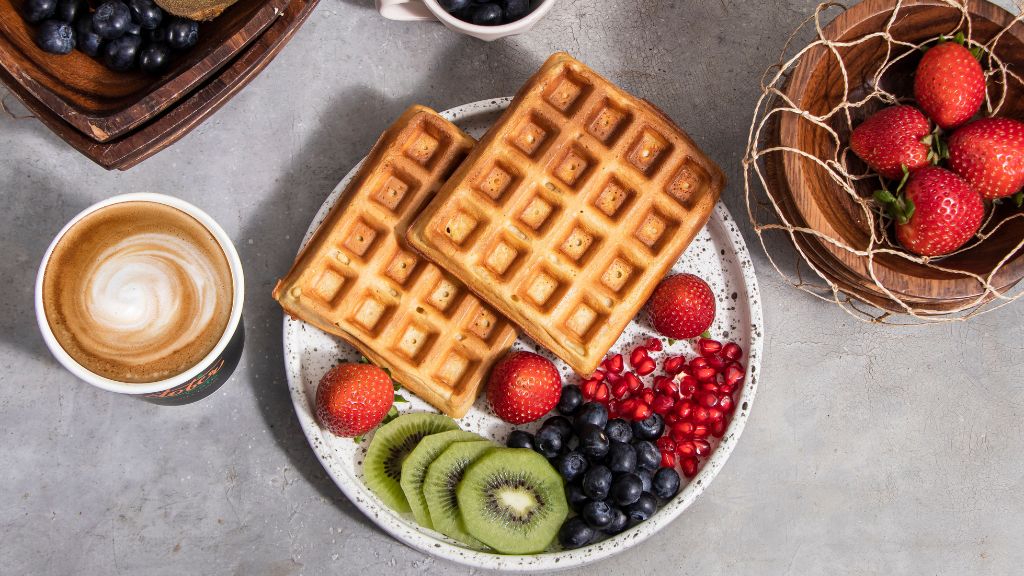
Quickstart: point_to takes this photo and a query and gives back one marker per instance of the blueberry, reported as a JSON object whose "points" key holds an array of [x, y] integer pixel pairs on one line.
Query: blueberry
{"points": [[520, 439], [666, 483], [626, 489], [485, 15], [593, 442], [597, 514], [182, 33], [146, 13], [120, 54], [86, 39], [134, 29], [643, 508], [55, 37], [575, 497], [575, 533], [38, 10], [515, 9], [619, 430], [158, 34], [562, 424], [646, 479], [548, 441], [453, 5], [597, 482], [621, 457], [571, 465], [618, 523], [592, 413], [570, 401], [111, 19], [69, 10], [154, 58], [649, 428], [648, 457]]}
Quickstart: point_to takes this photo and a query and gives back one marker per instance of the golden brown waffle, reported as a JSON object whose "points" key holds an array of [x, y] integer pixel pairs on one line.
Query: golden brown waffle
{"points": [[571, 210], [359, 280]]}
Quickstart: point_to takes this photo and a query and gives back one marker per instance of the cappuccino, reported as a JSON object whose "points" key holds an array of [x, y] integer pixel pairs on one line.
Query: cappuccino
{"points": [[138, 292]]}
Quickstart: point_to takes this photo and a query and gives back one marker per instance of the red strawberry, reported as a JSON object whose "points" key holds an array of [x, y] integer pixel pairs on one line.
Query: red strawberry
{"points": [[523, 387], [936, 214], [682, 306], [989, 154], [892, 138], [949, 84], [352, 399]]}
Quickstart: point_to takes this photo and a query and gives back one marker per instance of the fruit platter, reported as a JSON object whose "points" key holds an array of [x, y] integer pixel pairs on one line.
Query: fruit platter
{"points": [[546, 469]]}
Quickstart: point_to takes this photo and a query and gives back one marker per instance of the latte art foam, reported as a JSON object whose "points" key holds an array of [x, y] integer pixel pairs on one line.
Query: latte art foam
{"points": [[140, 292]]}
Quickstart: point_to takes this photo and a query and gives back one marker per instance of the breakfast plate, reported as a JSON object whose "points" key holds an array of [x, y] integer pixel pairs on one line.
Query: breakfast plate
{"points": [[718, 254]]}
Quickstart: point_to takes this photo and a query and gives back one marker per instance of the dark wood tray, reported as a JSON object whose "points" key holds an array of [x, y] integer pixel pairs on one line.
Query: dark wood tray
{"points": [[103, 104], [127, 151]]}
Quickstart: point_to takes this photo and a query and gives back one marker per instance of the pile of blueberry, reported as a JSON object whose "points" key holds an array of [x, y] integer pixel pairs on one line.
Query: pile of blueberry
{"points": [[124, 36], [612, 468], [487, 12]]}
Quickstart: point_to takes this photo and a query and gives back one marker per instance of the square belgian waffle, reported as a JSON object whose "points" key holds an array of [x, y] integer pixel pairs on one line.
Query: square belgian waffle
{"points": [[358, 279], [571, 210]]}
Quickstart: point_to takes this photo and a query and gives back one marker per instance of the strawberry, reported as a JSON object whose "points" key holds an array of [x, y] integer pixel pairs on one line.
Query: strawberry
{"points": [[949, 84], [352, 399], [523, 387], [682, 306], [989, 155], [936, 213], [892, 138]]}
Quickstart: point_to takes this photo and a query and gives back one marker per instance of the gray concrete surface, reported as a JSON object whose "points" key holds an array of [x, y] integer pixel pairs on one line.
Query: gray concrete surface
{"points": [[870, 450]]}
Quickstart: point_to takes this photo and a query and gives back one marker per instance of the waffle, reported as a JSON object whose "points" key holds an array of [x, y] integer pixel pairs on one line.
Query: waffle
{"points": [[358, 279], [571, 210]]}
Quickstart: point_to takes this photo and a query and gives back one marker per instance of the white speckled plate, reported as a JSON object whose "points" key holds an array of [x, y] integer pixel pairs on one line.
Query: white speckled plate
{"points": [[718, 255]]}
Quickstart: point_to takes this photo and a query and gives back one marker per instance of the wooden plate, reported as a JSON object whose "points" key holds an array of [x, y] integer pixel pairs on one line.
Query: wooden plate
{"points": [[103, 104], [816, 85], [127, 151]]}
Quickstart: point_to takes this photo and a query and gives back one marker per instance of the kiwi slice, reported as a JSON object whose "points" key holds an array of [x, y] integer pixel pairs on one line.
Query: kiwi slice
{"points": [[414, 470], [512, 500], [391, 445], [439, 487]]}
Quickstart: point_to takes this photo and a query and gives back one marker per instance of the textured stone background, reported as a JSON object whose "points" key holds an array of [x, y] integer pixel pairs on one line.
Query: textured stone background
{"points": [[870, 450]]}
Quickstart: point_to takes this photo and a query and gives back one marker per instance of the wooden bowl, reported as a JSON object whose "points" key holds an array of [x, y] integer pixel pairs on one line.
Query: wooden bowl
{"points": [[103, 104], [165, 129], [816, 201]]}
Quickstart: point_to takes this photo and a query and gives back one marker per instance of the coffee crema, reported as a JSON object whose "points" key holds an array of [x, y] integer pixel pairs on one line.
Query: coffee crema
{"points": [[138, 292]]}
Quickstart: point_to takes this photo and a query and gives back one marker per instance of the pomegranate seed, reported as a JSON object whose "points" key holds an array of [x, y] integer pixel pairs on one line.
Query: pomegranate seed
{"points": [[647, 395], [639, 353], [725, 389], [716, 413], [597, 375], [641, 412], [732, 351], [684, 409], [589, 388], [626, 407], [613, 408], [601, 395], [718, 429], [701, 415], [698, 363], [653, 344], [683, 429], [705, 374], [702, 447], [734, 374], [673, 364], [620, 390], [668, 459], [686, 449], [645, 367], [613, 378], [725, 404], [671, 418], [632, 381], [700, 431], [662, 404], [665, 444], [665, 385], [613, 364], [717, 362], [709, 400], [687, 387], [689, 466], [708, 347]]}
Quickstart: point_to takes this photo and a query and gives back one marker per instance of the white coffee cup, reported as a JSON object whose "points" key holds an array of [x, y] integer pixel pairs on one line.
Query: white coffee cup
{"points": [[198, 381], [430, 10]]}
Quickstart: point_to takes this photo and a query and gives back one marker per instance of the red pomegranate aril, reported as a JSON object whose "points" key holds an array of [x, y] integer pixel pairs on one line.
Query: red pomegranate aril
{"points": [[717, 362], [689, 466], [620, 390], [705, 374], [684, 409], [637, 355], [641, 412], [701, 415], [665, 444], [653, 344], [732, 351], [597, 375], [702, 447], [662, 404], [725, 389], [687, 387], [708, 347], [725, 404], [645, 367], [602, 394], [671, 418], [627, 406], [734, 374], [589, 388], [686, 448], [647, 396], [709, 400], [683, 428], [718, 429], [700, 431], [665, 385], [613, 364], [716, 414], [632, 381], [698, 363], [668, 460], [613, 378], [673, 364]]}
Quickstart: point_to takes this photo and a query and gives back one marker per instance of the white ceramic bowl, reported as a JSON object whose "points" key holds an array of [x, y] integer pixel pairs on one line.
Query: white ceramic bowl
{"points": [[430, 10]]}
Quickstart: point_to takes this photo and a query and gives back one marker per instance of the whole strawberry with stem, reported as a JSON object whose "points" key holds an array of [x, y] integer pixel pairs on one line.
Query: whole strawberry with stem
{"points": [[989, 155], [523, 387], [682, 306], [352, 399], [949, 84], [936, 212], [892, 138]]}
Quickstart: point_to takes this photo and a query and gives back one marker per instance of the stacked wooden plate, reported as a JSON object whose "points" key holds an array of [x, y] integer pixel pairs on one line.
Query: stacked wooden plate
{"points": [[120, 119], [809, 197]]}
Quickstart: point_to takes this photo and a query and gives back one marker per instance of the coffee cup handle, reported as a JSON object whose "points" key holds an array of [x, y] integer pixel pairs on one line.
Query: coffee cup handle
{"points": [[407, 10]]}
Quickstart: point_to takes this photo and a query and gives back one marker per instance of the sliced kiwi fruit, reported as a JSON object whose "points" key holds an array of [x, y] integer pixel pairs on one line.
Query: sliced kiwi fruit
{"points": [[391, 445], [439, 487], [512, 500], [414, 470]]}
